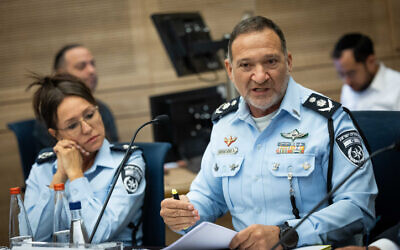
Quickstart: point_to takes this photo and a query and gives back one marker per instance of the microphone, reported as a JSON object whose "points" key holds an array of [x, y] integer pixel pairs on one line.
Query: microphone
{"points": [[157, 120], [395, 146]]}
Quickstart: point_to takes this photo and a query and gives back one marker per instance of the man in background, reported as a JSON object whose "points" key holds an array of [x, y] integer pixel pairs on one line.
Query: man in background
{"points": [[368, 84], [76, 60]]}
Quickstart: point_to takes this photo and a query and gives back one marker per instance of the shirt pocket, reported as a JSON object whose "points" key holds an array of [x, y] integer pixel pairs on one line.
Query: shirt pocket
{"points": [[300, 168], [298, 165], [227, 168]]}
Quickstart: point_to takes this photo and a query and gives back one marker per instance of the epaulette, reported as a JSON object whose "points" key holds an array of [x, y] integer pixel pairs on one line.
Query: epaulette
{"points": [[122, 147], [322, 105], [225, 109], [46, 155]]}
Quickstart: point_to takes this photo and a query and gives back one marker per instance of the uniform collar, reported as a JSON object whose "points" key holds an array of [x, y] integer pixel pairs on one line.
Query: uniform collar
{"points": [[291, 102], [104, 157]]}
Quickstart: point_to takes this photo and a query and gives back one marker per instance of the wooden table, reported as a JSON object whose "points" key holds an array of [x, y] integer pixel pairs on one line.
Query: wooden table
{"points": [[178, 178]]}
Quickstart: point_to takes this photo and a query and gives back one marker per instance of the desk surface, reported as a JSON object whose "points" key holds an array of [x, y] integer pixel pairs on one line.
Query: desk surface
{"points": [[178, 178]]}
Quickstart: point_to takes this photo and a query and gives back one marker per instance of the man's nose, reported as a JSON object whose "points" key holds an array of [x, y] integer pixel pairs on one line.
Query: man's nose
{"points": [[260, 74], [91, 68]]}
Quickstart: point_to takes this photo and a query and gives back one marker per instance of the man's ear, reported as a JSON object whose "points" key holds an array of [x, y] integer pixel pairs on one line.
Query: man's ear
{"points": [[371, 63], [228, 67], [289, 61]]}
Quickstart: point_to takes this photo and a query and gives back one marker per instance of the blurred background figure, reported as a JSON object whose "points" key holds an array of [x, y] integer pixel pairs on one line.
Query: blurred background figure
{"points": [[76, 60], [368, 84]]}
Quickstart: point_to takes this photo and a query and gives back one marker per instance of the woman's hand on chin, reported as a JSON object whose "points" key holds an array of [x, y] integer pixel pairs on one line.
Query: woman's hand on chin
{"points": [[69, 157]]}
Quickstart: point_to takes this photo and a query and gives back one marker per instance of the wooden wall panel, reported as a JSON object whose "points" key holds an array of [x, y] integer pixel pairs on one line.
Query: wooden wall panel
{"points": [[132, 62]]}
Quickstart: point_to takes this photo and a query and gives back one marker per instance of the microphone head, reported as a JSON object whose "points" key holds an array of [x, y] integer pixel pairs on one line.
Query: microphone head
{"points": [[161, 119]]}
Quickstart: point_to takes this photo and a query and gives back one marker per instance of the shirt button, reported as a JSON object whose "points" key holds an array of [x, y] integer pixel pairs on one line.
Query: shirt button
{"points": [[258, 210], [259, 146], [255, 178]]}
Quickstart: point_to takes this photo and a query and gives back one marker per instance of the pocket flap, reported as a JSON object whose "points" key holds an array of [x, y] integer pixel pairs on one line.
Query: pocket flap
{"points": [[298, 165], [227, 165]]}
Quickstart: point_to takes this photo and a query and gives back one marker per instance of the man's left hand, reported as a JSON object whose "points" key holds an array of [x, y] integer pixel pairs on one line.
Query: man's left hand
{"points": [[256, 237]]}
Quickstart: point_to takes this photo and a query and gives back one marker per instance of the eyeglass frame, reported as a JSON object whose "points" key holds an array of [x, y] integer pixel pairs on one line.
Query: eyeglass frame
{"points": [[80, 120]]}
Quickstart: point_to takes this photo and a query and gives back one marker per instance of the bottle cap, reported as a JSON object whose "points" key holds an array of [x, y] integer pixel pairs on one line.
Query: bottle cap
{"points": [[75, 205], [15, 190], [59, 186]]}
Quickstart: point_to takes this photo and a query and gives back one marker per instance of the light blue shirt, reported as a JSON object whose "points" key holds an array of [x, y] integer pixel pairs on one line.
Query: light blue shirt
{"points": [[91, 190], [249, 177]]}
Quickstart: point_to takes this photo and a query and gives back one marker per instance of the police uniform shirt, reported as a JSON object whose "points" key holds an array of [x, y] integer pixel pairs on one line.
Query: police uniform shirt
{"points": [[124, 205], [247, 171]]}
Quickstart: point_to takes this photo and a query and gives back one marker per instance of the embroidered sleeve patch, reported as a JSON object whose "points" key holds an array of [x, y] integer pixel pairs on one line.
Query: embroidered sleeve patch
{"points": [[350, 145], [131, 177]]}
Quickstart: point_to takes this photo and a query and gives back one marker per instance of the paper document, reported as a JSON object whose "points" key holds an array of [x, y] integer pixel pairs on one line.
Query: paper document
{"points": [[316, 247], [205, 236]]}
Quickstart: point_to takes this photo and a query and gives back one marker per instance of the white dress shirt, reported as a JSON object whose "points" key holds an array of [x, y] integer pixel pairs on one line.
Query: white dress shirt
{"points": [[382, 94]]}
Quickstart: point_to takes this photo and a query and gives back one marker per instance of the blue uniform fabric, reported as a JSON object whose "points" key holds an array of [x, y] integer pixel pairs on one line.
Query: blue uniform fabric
{"points": [[91, 190], [250, 178]]}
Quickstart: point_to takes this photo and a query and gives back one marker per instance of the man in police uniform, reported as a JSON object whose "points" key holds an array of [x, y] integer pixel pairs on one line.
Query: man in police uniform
{"points": [[268, 159]]}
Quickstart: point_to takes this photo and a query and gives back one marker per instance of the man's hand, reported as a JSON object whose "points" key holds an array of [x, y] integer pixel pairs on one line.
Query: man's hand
{"points": [[256, 237], [179, 214]]}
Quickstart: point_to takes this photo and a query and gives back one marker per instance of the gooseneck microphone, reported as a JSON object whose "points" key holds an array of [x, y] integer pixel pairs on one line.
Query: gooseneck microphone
{"points": [[157, 120], [395, 146]]}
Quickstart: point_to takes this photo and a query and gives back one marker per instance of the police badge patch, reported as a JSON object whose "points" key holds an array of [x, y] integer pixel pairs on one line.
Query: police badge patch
{"points": [[131, 177], [350, 144]]}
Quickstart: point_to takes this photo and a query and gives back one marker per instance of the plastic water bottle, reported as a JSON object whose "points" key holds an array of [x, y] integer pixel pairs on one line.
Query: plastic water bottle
{"points": [[78, 233], [19, 227], [61, 222]]}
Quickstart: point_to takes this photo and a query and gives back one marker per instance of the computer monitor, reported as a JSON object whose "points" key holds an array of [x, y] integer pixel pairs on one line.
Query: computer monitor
{"points": [[190, 123], [188, 42]]}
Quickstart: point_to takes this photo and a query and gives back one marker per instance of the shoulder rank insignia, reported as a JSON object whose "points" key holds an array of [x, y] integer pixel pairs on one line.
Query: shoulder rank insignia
{"points": [[46, 155], [131, 176], [322, 105], [122, 147], [225, 109]]}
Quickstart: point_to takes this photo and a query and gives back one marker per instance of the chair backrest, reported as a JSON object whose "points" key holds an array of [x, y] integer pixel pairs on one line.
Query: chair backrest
{"points": [[23, 130], [153, 225], [382, 128]]}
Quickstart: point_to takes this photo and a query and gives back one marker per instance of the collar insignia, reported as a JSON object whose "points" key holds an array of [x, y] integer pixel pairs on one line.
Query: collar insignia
{"points": [[230, 140], [295, 134]]}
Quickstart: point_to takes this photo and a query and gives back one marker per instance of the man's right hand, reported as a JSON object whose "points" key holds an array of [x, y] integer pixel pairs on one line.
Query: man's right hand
{"points": [[179, 214]]}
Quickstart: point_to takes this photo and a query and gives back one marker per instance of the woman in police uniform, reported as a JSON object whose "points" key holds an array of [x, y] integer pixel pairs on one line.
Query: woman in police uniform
{"points": [[84, 161]]}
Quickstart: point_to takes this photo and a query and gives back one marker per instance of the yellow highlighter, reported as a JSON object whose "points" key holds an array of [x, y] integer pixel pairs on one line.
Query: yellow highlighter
{"points": [[176, 197], [175, 194]]}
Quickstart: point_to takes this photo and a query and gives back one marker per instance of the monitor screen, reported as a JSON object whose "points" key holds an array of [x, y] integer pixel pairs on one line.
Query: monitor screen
{"points": [[188, 42], [190, 123]]}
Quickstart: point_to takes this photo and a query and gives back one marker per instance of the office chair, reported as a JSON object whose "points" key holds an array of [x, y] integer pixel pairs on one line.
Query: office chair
{"points": [[153, 225], [382, 128], [27, 150]]}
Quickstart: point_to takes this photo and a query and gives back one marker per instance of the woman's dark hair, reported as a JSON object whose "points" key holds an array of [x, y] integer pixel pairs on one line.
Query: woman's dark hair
{"points": [[52, 91]]}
